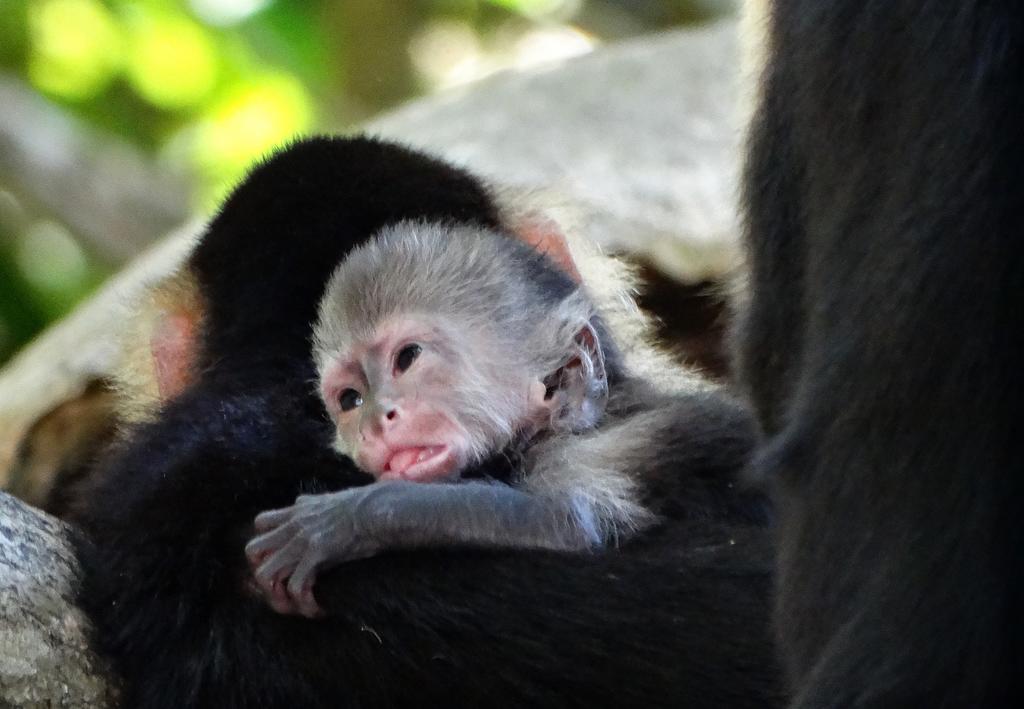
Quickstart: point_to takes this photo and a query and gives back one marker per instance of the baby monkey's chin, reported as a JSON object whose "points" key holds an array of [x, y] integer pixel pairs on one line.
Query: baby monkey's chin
{"points": [[421, 464]]}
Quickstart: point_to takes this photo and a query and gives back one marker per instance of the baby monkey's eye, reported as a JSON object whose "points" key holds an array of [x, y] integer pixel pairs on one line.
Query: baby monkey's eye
{"points": [[406, 356], [350, 399]]}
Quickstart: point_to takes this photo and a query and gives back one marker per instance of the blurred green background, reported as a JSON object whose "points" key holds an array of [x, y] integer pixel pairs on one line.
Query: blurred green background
{"points": [[120, 119]]}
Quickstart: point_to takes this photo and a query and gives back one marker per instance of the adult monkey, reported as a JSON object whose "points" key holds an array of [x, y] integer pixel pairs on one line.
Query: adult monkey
{"points": [[677, 616], [882, 346]]}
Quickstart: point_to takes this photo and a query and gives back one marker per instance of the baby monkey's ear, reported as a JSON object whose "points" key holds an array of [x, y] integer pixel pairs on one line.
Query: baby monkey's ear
{"points": [[545, 236], [575, 394]]}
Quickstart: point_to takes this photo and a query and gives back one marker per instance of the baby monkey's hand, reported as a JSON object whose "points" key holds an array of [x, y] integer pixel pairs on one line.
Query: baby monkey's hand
{"points": [[318, 531]]}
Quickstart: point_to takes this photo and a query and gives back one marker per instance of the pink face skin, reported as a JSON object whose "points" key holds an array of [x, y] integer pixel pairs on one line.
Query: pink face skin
{"points": [[387, 397]]}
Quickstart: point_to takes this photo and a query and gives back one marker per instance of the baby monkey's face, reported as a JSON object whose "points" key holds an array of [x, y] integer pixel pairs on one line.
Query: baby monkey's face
{"points": [[421, 400]]}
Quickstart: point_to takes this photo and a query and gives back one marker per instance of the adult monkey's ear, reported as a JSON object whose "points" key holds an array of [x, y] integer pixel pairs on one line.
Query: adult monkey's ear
{"points": [[174, 338], [172, 347], [546, 237], [160, 346]]}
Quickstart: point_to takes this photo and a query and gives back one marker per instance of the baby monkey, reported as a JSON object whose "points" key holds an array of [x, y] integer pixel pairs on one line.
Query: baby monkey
{"points": [[443, 351]]}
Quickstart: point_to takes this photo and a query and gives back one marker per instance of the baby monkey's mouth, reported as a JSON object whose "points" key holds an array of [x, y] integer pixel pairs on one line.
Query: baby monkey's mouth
{"points": [[419, 463]]}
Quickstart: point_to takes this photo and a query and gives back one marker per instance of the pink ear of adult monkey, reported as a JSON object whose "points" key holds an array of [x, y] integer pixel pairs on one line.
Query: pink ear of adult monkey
{"points": [[545, 237]]}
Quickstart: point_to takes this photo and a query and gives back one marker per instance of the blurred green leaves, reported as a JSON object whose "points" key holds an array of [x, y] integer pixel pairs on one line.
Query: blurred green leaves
{"points": [[172, 61], [75, 47], [186, 77], [205, 86]]}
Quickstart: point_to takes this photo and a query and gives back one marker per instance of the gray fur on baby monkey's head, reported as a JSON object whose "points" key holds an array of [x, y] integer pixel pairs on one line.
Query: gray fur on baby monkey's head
{"points": [[474, 282]]}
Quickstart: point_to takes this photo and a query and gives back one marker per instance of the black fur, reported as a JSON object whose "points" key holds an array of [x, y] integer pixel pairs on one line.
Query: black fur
{"points": [[295, 215], [883, 346], [680, 616]]}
